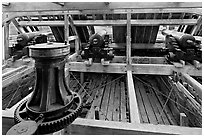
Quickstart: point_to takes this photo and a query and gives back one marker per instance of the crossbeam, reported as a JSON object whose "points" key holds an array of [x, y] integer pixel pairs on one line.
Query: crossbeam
{"points": [[48, 6], [146, 22], [151, 69]]}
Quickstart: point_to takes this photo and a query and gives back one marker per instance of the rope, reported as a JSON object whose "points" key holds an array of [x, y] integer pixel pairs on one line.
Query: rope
{"points": [[165, 95], [14, 94], [96, 88]]}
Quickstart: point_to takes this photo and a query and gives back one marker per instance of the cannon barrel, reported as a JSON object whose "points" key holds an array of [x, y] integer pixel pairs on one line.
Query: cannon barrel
{"points": [[184, 40]]}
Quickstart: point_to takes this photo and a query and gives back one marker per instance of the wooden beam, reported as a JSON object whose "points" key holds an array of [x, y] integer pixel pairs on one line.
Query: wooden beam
{"points": [[66, 29], [48, 6], [17, 76], [15, 70], [134, 110], [145, 22], [148, 60], [98, 127], [151, 69], [195, 84], [6, 41], [128, 38]]}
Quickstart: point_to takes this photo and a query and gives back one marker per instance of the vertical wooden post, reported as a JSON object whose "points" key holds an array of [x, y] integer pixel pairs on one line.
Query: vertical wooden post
{"points": [[97, 113], [66, 29], [6, 40], [128, 38], [183, 119]]}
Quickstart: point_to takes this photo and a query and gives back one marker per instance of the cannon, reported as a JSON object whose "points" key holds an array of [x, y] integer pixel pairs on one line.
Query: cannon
{"points": [[182, 46], [98, 48], [23, 41]]}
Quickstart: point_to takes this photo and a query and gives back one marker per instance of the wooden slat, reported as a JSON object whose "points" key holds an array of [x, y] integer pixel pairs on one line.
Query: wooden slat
{"points": [[148, 107], [98, 127], [6, 41], [166, 112], [145, 22], [195, 84], [142, 110], [128, 39], [111, 102], [48, 6], [123, 103], [105, 100], [15, 70], [134, 110], [116, 110]]}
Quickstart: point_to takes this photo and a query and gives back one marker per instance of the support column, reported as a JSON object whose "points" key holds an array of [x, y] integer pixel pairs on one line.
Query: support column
{"points": [[66, 29], [6, 40], [128, 38]]}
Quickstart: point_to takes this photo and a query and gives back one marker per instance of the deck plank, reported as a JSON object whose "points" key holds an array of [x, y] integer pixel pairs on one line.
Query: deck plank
{"points": [[105, 100], [96, 97], [151, 116], [166, 112], [123, 116], [142, 110], [111, 102], [116, 111]]}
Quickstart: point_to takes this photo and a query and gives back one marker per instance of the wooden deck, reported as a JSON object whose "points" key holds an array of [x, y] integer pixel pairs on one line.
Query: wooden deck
{"points": [[105, 98]]}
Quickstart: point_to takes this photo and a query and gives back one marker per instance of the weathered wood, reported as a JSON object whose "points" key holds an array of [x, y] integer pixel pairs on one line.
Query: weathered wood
{"points": [[15, 70], [123, 103], [111, 102], [134, 110], [48, 6], [148, 60], [151, 69], [17, 76], [116, 110], [66, 29], [148, 107], [195, 84], [183, 119], [6, 41], [99, 127], [142, 110], [105, 100], [128, 39], [145, 22]]}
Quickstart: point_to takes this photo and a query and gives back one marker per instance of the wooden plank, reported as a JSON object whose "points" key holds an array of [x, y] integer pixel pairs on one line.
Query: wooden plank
{"points": [[15, 70], [151, 69], [123, 99], [148, 107], [154, 105], [66, 29], [134, 111], [17, 76], [142, 109], [195, 84], [48, 6], [105, 100], [6, 41], [158, 104], [116, 110], [87, 126], [111, 102], [96, 96], [128, 38], [145, 22], [166, 112], [147, 60]]}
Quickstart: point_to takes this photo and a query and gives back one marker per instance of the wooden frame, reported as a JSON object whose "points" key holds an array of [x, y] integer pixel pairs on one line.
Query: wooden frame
{"points": [[151, 69], [81, 126]]}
